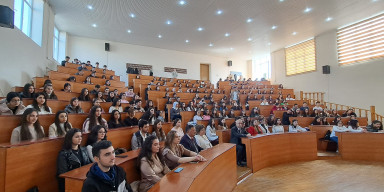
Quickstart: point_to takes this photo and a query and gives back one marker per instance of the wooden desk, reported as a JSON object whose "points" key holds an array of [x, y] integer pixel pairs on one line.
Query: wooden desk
{"points": [[320, 133], [224, 135], [361, 146], [273, 149], [218, 173]]}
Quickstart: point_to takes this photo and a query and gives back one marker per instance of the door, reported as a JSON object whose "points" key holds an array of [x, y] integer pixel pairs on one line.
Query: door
{"points": [[204, 72]]}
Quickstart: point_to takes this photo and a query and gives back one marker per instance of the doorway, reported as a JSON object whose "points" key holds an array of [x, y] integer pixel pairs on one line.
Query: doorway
{"points": [[204, 72]]}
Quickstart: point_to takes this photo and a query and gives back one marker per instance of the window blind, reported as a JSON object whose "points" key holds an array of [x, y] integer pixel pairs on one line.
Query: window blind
{"points": [[300, 58]]}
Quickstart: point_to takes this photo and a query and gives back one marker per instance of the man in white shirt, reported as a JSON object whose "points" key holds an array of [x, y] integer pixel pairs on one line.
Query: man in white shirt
{"points": [[318, 107]]}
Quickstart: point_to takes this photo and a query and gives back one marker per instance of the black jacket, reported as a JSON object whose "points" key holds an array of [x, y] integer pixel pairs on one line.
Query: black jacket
{"points": [[131, 122], [285, 119], [236, 135], [95, 182], [68, 161], [190, 144]]}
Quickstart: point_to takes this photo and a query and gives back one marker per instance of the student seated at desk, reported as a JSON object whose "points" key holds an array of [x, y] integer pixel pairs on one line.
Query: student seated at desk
{"points": [[295, 127], [94, 118], [67, 88], [97, 134], [100, 97], [263, 125], [116, 105], [72, 156], [211, 132], [338, 128], [61, 125], [376, 126], [157, 130], [28, 91], [84, 95], [222, 125], [197, 117], [177, 127], [40, 104], [237, 132], [48, 90], [131, 120], [254, 128], [96, 102], [29, 128], [12, 105], [353, 126], [201, 139], [74, 107], [278, 126], [104, 175], [151, 163], [115, 120], [175, 153], [139, 137], [150, 116]]}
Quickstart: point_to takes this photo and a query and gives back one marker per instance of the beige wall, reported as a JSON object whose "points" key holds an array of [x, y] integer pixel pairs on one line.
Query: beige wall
{"points": [[359, 85]]}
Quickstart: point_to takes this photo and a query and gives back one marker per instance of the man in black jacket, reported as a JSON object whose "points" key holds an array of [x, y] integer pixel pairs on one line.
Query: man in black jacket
{"points": [[189, 141], [237, 132], [286, 115], [104, 175]]}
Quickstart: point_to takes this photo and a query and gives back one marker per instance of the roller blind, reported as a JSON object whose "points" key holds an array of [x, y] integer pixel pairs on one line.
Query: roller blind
{"points": [[300, 58], [362, 41]]}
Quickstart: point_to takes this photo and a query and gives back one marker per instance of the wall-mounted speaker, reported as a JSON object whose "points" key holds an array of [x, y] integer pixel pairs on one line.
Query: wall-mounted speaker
{"points": [[106, 46], [326, 69], [6, 17], [229, 63]]}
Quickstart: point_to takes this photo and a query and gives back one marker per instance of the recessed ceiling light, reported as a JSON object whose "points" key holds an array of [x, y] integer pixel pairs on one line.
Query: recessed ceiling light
{"points": [[219, 12], [249, 20], [273, 27], [129, 31], [249, 39], [231, 48], [94, 25], [90, 7], [187, 41], [294, 33], [211, 45], [168, 22], [328, 19], [182, 2], [132, 15], [200, 28], [307, 10], [159, 36], [269, 44], [227, 34], [281, 0]]}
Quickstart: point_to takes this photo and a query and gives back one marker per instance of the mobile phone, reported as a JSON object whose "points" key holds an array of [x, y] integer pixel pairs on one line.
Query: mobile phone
{"points": [[178, 170], [121, 156]]}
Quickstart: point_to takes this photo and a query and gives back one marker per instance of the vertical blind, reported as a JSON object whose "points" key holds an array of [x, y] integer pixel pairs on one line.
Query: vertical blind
{"points": [[362, 41], [300, 58]]}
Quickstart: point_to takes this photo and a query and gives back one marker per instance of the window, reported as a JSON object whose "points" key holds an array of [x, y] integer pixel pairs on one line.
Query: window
{"points": [[362, 41], [300, 58], [261, 68], [23, 16], [56, 44]]}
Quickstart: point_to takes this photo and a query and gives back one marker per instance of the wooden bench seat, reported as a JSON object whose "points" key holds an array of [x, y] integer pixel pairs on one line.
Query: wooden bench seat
{"points": [[54, 75], [73, 71], [98, 70], [306, 121]]}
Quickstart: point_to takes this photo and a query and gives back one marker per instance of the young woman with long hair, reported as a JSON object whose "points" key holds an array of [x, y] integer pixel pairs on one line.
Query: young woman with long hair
{"points": [[177, 127], [151, 163], [115, 120], [29, 128], [278, 126], [131, 120], [111, 96], [221, 124], [60, 126], [150, 116], [211, 132], [72, 156], [48, 90], [175, 153], [94, 118], [116, 105], [40, 104], [28, 91], [97, 134], [67, 88], [157, 130], [84, 95], [201, 137], [73, 106], [100, 96]]}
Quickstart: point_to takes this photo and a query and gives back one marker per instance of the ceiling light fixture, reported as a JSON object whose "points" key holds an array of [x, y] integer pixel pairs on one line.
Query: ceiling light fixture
{"points": [[200, 28], [160, 36], [249, 39], [231, 48], [307, 10], [132, 15], [211, 45], [328, 19], [187, 41], [129, 31], [227, 34], [168, 22], [94, 25], [273, 27], [294, 33], [219, 12], [182, 2], [90, 7], [281, 0], [249, 20], [269, 43]]}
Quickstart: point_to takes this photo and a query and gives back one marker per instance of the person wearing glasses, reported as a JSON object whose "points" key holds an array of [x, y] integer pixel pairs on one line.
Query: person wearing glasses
{"points": [[12, 105]]}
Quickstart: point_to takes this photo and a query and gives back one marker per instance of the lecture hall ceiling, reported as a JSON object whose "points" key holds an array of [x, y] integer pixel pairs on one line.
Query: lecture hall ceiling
{"points": [[233, 28]]}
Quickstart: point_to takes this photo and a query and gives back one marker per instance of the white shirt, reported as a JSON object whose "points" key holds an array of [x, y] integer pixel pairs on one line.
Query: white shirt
{"points": [[295, 130], [16, 137], [211, 133], [263, 130], [42, 110], [277, 129], [338, 129], [120, 109], [318, 108], [203, 141]]}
